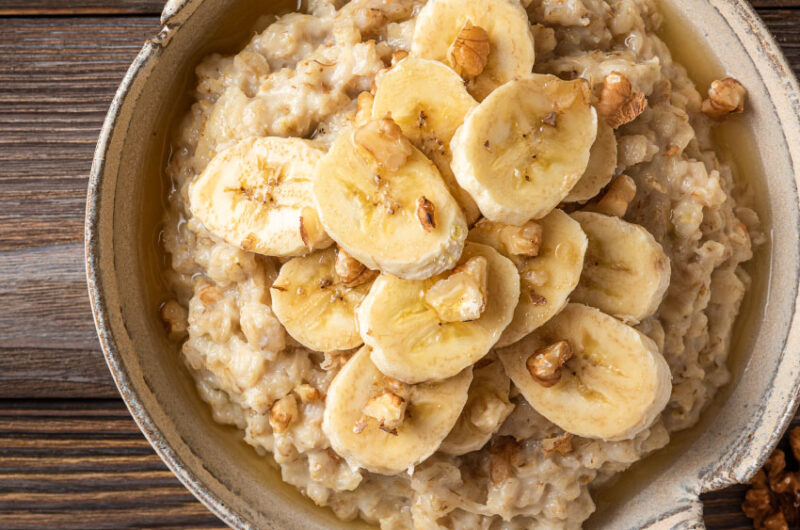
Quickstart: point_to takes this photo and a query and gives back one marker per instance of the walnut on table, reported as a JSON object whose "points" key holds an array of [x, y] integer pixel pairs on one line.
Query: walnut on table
{"points": [[773, 500]]}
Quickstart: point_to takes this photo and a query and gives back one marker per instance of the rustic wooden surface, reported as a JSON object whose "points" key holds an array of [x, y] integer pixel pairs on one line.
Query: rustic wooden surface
{"points": [[70, 456]]}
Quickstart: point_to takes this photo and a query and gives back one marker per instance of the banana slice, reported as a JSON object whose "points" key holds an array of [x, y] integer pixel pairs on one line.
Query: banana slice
{"points": [[385, 203], [315, 305], [626, 272], [601, 167], [386, 426], [413, 340], [256, 195], [428, 101], [614, 384], [521, 151], [487, 408], [547, 277], [504, 25]]}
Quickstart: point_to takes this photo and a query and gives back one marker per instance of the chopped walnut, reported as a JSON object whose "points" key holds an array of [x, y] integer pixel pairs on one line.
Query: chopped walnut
{"points": [[209, 295], [774, 495], [398, 55], [560, 444], [333, 360], [389, 409], [725, 96], [525, 240], [618, 103], [426, 213], [384, 140], [283, 413], [545, 363], [461, 297], [175, 319], [616, 199], [359, 426], [307, 393], [363, 108], [503, 452], [351, 271], [469, 53]]}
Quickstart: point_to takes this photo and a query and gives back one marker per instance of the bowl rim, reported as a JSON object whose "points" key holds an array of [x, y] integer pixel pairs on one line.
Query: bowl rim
{"points": [[178, 11]]}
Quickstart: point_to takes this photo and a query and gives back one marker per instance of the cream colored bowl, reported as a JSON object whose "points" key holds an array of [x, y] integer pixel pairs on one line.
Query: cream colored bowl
{"points": [[245, 490]]}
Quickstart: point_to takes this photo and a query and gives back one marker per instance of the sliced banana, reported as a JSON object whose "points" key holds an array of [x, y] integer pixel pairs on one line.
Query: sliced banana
{"points": [[547, 278], [410, 340], [601, 166], [505, 23], [521, 151], [428, 101], [385, 203], [361, 402], [487, 408], [626, 272], [256, 195], [614, 385], [314, 305]]}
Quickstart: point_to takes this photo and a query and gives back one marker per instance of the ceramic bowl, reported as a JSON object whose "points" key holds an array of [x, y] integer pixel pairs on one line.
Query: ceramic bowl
{"points": [[733, 437]]}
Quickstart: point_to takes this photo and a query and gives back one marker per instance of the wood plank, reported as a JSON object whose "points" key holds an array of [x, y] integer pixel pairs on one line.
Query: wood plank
{"points": [[57, 77], [84, 464], [80, 7]]}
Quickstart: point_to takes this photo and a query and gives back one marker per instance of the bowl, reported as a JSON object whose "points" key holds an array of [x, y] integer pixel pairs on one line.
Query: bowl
{"points": [[125, 198]]}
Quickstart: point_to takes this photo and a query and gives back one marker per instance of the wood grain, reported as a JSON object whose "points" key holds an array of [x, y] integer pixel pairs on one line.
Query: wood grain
{"points": [[57, 77], [84, 464]]}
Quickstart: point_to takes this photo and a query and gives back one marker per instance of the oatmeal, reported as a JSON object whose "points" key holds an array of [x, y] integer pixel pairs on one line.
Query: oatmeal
{"points": [[455, 264]]}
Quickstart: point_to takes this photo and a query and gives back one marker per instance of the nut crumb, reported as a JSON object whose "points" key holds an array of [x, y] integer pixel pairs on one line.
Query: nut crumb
{"points": [[385, 141], [175, 319], [545, 363], [461, 297], [307, 393], [503, 452], [618, 103], [389, 409], [363, 108], [525, 240], [617, 198], [398, 55], [560, 444], [469, 53], [725, 96], [426, 213], [351, 271], [283, 413]]}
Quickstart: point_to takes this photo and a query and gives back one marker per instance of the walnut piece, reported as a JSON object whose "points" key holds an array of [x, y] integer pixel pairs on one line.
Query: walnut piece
{"points": [[426, 213], [175, 319], [616, 199], [363, 108], [307, 393], [525, 240], [461, 297], [283, 413], [503, 452], [469, 53], [774, 494], [560, 444], [351, 271], [725, 96], [389, 409], [398, 55], [545, 363], [384, 140], [618, 103]]}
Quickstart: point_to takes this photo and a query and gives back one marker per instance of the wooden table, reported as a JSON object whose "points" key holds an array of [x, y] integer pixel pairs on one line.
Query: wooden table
{"points": [[70, 456]]}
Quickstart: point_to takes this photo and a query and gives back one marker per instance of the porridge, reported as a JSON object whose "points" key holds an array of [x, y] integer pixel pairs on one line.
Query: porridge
{"points": [[455, 264]]}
